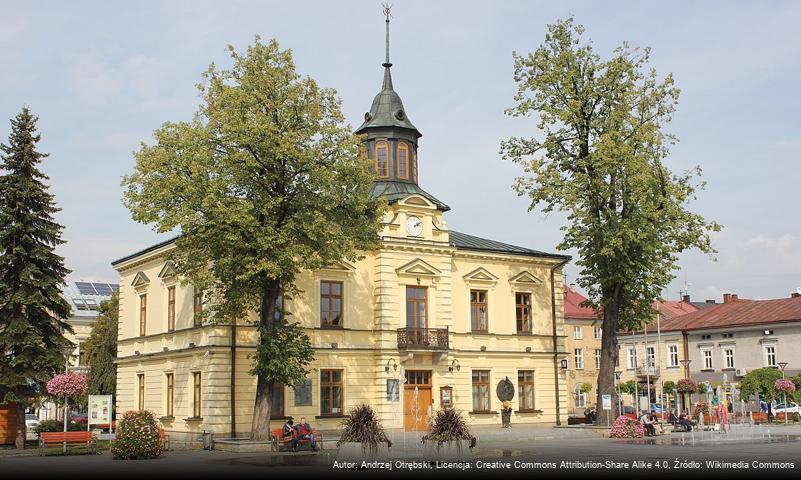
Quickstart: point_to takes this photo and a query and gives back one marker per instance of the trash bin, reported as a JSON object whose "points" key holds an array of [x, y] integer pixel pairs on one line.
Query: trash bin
{"points": [[208, 441]]}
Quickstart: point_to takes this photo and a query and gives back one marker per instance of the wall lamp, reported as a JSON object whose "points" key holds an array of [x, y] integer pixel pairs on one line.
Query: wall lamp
{"points": [[391, 362], [564, 364], [454, 364]]}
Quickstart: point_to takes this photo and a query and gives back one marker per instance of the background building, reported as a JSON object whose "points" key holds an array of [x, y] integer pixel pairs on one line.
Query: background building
{"points": [[583, 342]]}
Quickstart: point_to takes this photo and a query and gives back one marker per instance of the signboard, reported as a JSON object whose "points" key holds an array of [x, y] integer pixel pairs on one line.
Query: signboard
{"points": [[100, 410], [606, 401]]}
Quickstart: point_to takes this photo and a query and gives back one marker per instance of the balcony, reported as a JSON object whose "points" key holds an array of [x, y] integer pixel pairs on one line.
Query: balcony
{"points": [[650, 370], [423, 339]]}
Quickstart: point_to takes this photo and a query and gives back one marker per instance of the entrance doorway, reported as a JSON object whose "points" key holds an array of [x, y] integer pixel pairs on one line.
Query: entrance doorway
{"points": [[417, 400]]}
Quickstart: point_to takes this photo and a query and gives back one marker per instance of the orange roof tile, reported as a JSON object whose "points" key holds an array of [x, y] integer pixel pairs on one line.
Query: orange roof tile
{"points": [[573, 308], [740, 312]]}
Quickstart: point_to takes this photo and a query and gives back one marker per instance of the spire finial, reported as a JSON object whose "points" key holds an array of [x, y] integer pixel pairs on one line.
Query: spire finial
{"points": [[388, 15]]}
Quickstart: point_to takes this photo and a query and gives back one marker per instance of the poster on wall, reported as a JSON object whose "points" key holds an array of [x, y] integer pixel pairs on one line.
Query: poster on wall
{"points": [[100, 407]]}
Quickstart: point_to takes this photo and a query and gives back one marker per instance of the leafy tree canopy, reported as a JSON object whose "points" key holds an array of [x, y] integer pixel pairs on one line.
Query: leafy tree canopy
{"points": [[759, 382], [101, 349]]}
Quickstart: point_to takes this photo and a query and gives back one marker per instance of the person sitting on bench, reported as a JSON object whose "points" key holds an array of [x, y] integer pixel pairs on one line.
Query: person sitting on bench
{"points": [[288, 430], [648, 424], [685, 422], [304, 432]]}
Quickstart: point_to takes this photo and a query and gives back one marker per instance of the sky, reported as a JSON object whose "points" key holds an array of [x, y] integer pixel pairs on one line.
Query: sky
{"points": [[102, 76]]}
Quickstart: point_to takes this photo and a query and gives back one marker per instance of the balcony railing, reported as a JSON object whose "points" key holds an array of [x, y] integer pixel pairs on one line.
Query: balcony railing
{"points": [[650, 370], [422, 338]]}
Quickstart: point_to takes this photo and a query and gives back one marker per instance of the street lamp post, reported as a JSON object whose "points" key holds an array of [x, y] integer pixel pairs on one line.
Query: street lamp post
{"points": [[686, 364], [617, 389], [67, 352], [783, 365]]}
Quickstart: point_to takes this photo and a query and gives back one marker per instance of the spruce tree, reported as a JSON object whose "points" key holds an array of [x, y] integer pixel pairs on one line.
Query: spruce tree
{"points": [[32, 308]]}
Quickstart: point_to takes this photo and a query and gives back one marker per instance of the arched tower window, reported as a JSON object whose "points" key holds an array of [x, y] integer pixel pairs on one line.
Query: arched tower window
{"points": [[382, 159], [403, 160]]}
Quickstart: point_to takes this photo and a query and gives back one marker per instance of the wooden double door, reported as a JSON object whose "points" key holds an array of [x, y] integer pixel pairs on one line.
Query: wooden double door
{"points": [[417, 400]]}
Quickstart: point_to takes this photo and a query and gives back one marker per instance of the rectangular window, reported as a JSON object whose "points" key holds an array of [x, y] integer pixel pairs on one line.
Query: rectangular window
{"points": [[303, 393], [598, 333], [416, 311], [673, 355], [331, 392], [171, 308], [707, 359], [577, 333], [478, 310], [579, 355], [728, 354], [770, 356], [196, 397], [650, 356], [330, 304], [481, 391], [403, 161], [581, 398], [631, 358], [170, 394], [525, 389], [81, 355], [142, 315], [382, 159], [141, 379], [198, 302], [597, 358], [277, 404], [523, 312]]}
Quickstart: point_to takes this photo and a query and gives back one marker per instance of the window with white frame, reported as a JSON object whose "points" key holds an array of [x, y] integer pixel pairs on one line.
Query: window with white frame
{"points": [[577, 332], [770, 356], [673, 355], [707, 358], [581, 397], [650, 356], [598, 333], [631, 358], [728, 355], [579, 355], [597, 358]]}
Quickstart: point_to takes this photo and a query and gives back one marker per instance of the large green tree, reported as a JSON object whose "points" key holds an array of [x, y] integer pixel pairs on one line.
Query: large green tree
{"points": [[760, 383], [264, 182], [599, 158], [32, 308], [101, 349]]}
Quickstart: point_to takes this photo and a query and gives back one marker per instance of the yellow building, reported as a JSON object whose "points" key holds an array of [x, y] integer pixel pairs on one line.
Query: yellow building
{"points": [[433, 318], [583, 342]]}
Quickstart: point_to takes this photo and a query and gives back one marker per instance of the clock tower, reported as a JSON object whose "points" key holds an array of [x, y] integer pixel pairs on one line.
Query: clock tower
{"points": [[392, 144]]}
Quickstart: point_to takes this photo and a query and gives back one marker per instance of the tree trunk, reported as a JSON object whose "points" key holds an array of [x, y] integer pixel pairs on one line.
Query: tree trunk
{"points": [[19, 441], [260, 425], [606, 374]]}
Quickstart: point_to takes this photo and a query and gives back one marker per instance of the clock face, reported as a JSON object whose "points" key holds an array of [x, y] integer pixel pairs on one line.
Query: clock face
{"points": [[414, 226]]}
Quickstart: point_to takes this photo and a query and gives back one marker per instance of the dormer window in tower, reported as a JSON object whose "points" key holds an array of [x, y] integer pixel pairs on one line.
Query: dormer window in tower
{"points": [[382, 159], [403, 160]]}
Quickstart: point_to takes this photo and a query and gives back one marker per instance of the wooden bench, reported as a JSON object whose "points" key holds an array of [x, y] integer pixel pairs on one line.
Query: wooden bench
{"points": [[278, 440], [57, 439], [164, 439]]}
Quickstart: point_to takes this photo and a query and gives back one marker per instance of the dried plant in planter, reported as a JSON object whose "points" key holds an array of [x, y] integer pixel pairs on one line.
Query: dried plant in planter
{"points": [[449, 425], [362, 426]]}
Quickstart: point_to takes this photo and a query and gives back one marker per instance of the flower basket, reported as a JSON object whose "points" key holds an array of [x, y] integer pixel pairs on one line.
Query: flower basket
{"points": [[137, 437], [625, 427], [69, 384], [687, 385], [784, 386]]}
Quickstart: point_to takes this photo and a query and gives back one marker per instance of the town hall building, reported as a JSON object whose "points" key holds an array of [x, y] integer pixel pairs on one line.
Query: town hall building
{"points": [[434, 318]]}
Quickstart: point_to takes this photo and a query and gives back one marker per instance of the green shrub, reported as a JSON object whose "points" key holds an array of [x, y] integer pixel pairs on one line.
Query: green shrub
{"points": [[137, 437], [48, 426]]}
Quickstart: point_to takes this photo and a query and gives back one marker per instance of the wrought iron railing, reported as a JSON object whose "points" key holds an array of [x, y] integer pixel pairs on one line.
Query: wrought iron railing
{"points": [[423, 338]]}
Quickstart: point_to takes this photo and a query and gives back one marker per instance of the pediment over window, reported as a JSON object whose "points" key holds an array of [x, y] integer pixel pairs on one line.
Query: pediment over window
{"points": [[525, 277], [480, 274], [167, 271], [418, 200], [140, 280], [341, 266], [419, 267]]}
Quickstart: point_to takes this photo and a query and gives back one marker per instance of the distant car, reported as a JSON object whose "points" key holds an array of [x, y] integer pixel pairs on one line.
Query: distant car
{"points": [[31, 420], [78, 418], [656, 408], [793, 408]]}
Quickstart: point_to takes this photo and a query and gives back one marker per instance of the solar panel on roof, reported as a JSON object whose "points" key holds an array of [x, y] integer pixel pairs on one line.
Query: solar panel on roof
{"points": [[114, 286], [103, 289], [86, 288]]}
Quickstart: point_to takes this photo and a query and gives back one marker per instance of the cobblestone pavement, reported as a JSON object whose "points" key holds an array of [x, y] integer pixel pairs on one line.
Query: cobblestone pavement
{"points": [[670, 455]]}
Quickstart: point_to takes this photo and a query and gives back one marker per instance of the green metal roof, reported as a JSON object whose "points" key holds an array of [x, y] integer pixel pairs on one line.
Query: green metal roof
{"points": [[387, 109], [394, 191], [471, 242]]}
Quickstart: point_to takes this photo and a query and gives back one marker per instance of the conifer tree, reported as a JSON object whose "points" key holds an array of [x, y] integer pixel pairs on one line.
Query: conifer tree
{"points": [[32, 308], [101, 349]]}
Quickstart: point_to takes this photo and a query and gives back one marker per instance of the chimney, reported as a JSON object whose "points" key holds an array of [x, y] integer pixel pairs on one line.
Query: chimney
{"points": [[710, 301], [795, 295], [726, 297], [685, 298], [733, 297]]}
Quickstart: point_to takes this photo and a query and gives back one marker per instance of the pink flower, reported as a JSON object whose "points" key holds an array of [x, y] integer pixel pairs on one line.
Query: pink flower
{"points": [[67, 384], [786, 386]]}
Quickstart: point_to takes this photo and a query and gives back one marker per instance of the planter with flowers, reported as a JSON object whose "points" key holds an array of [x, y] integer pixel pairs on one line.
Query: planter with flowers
{"points": [[624, 427], [786, 388], [363, 437], [506, 414]]}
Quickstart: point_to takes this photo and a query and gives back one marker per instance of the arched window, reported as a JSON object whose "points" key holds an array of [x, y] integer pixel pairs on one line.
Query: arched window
{"points": [[382, 159], [403, 160]]}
